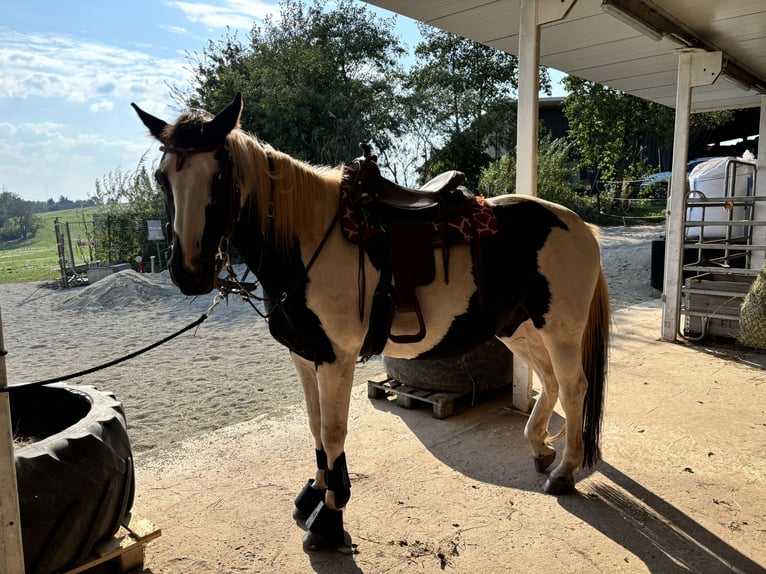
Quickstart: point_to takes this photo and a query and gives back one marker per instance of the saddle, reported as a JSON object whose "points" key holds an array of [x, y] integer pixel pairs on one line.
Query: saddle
{"points": [[401, 228]]}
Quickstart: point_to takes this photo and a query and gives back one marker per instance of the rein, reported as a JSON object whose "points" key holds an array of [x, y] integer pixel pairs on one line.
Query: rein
{"points": [[232, 285], [201, 319]]}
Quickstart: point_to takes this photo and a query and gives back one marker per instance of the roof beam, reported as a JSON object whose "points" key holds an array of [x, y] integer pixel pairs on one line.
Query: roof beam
{"points": [[649, 19]]}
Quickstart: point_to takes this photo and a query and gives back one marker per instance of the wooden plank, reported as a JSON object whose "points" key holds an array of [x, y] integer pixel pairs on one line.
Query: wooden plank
{"points": [[126, 549], [11, 553], [142, 528]]}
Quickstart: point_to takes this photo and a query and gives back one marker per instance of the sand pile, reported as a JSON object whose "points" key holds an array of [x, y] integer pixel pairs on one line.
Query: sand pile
{"points": [[121, 289]]}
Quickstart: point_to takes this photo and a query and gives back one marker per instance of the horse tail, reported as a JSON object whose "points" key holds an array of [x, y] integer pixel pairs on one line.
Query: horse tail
{"points": [[595, 354]]}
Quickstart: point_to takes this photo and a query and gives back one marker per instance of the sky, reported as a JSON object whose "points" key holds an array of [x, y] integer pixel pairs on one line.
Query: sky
{"points": [[68, 72]]}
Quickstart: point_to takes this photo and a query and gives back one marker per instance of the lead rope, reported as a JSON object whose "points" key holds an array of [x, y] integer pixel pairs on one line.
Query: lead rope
{"points": [[202, 318]]}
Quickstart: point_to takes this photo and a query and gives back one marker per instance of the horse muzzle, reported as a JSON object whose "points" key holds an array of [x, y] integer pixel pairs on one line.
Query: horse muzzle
{"points": [[197, 280]]}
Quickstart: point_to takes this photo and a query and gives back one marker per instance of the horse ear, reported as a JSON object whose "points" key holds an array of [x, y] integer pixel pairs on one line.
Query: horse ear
{"points": [[227, 120], [155, 125]]}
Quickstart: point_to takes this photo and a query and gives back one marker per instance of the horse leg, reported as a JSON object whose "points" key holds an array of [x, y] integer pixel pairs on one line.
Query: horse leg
{"points": [[314, 490], [566, 360], [325, 525], [527, 345]]}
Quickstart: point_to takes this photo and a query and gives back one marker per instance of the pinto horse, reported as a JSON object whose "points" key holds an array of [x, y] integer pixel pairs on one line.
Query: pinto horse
{"points": [[540, 289]]}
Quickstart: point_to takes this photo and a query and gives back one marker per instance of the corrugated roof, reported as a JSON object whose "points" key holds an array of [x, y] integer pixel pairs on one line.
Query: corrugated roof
{"points": [[594, 45]]}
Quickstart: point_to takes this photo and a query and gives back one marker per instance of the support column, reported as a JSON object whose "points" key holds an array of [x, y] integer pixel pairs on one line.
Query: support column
{"points": [[533, 14], [11, 551], [759, 232], [695, 68]]}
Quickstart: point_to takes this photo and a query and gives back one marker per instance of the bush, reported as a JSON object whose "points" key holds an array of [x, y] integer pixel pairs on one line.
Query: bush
{"points": [[556, 177], [125, 201]]}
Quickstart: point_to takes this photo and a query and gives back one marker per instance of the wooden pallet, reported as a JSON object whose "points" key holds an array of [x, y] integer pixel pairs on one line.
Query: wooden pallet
{"points": [[444, 404], [124, 552]]}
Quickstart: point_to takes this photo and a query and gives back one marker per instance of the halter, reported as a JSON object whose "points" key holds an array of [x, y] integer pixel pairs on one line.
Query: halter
{"points": [[182, 153]]}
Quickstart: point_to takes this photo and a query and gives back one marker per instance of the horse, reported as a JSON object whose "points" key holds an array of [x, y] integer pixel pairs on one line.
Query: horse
{"points": [[536, 284]]}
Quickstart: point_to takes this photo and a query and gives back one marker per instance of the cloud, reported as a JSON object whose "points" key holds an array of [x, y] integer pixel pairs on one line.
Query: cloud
{"points": [[81, 71], [178, 30], [235, 14], [46, 159], [102, 106]]}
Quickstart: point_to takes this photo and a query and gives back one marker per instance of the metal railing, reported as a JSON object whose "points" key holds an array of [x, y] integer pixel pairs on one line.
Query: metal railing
{"points": [[718, 253]]}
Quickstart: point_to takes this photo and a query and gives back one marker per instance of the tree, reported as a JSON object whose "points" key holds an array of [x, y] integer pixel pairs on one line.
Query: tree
{"points": [[456, 83], [610, 128], [317, 82], [17, 217], [125, 200], [556, 176]]}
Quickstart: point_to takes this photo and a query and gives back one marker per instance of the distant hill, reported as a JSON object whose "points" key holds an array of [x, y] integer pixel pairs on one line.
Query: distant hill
{"points": [[36, 258]]}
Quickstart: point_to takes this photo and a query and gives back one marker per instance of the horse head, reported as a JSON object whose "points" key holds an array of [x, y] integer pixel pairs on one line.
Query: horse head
{"points": [[195, 173]]}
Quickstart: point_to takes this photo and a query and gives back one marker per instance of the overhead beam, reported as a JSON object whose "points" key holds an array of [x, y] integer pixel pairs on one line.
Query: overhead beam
{"points": [[650, 19]]}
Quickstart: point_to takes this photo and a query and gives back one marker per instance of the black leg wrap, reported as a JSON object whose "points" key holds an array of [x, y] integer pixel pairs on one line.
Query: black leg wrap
{"points": [[321, 459], [326, 523], [339, 482], [307, 500]]}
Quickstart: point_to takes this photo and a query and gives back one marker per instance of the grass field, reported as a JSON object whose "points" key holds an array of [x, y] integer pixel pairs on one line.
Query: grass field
{"points": [[36, 259]]}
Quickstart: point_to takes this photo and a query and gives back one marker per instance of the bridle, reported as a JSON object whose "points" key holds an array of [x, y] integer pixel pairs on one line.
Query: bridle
{"points": [[231, 284], [182, 153]]}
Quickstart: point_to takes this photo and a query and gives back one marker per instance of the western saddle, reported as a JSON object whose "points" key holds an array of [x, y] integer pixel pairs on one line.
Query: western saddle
{"points": [[409, 224]]}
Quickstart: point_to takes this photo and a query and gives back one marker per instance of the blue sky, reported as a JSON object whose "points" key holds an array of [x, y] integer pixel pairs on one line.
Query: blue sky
{"points": [[68, 72]]}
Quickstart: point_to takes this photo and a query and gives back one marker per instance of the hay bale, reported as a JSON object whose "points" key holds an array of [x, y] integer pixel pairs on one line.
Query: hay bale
{"points": [[752, 314]]}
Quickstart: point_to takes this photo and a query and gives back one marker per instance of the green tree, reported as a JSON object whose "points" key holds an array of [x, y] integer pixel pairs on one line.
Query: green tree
{"points": [[17, 217], [316, 81], [457, 83], [556, 176], [610, 128], [125, 201]]}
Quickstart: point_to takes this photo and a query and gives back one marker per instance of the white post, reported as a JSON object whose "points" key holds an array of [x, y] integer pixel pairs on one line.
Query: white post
{"points": [[533, 14], [695, 68], [526, 153], [11, 551]]}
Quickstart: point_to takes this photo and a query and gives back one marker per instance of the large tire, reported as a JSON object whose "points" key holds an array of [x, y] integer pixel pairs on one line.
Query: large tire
{"points": [[76, 485], [488, 367]]}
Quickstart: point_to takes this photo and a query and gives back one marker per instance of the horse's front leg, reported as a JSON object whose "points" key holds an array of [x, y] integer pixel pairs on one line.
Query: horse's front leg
{"points": [[334, 381], [314, 491]]}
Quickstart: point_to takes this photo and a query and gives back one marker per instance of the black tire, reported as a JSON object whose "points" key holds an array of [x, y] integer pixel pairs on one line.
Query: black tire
{"points": [[76, 485], [488, 367]]}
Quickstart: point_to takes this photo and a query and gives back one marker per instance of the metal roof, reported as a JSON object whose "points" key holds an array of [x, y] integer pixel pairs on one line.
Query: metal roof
{"points": [[594, 45]]}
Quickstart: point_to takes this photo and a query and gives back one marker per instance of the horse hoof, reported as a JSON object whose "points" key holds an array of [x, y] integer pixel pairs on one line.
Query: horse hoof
{"points": [[327, 524], [313, 542], [307, 500], [325, 531], [543, 462], [559, 485]]}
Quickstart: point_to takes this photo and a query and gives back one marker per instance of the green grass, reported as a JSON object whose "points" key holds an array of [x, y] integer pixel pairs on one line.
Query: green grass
{"points": [[36, 259]]}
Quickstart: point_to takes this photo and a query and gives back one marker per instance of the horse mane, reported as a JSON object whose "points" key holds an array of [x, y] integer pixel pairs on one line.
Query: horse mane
{"points": [[305, 197]]}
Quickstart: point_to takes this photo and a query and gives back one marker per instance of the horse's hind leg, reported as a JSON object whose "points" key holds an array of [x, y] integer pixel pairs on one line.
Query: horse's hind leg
{"points": [[527, 345], [566, 360]]}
